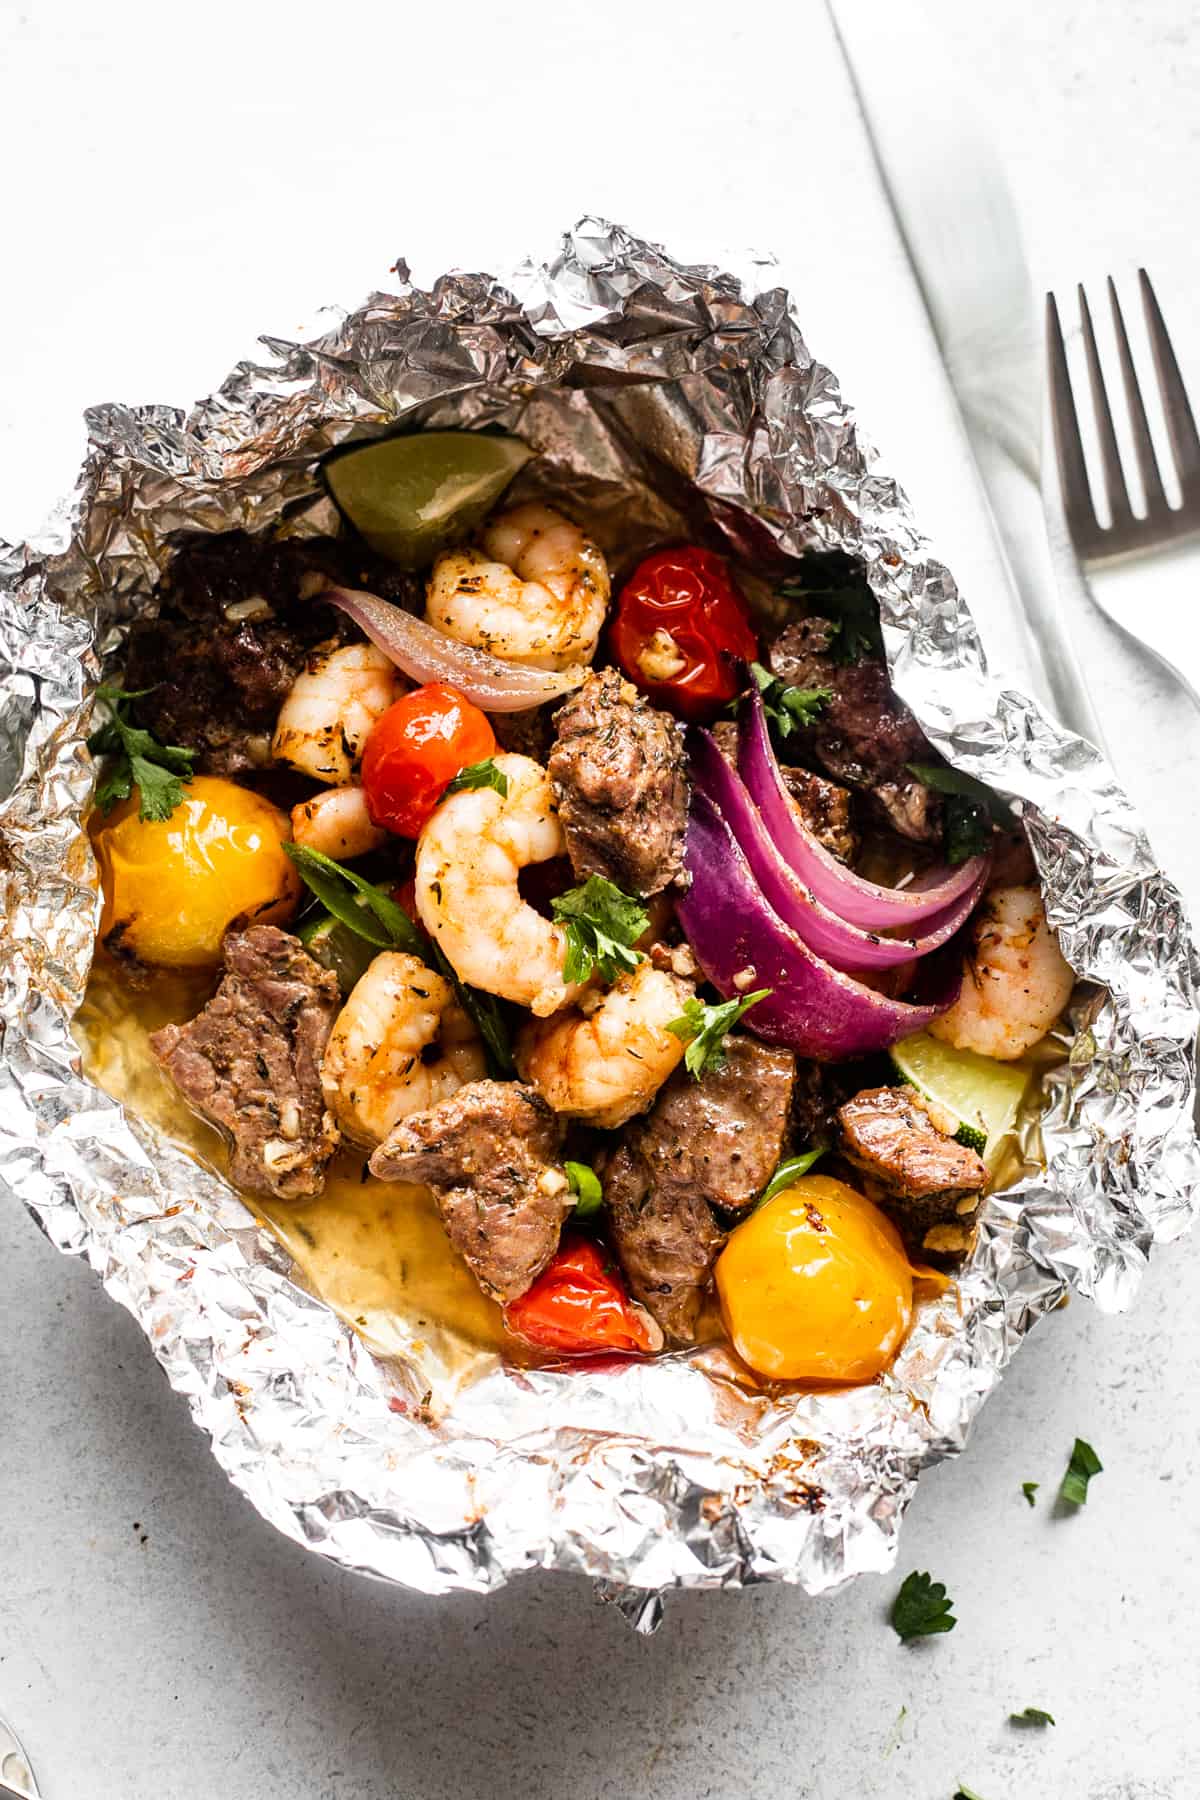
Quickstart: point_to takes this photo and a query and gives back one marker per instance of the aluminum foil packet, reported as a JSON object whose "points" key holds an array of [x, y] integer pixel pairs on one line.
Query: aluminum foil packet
{"points": [[658, 394]]}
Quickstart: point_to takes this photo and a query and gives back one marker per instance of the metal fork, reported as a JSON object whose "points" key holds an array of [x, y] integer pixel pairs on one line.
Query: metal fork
{"points": [[1145, 608]]}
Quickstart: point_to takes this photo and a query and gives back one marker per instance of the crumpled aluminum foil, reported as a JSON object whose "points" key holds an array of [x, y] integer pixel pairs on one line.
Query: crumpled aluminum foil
{"points": [[660, 395]]}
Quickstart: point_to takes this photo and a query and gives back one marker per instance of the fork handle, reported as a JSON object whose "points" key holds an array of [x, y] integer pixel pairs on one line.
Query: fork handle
{"points": [[1156, 603]]}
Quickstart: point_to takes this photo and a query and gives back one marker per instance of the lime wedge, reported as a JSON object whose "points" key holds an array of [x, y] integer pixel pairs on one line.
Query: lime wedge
{"points": [[336, 947], [413, 496], [982, 1094]]}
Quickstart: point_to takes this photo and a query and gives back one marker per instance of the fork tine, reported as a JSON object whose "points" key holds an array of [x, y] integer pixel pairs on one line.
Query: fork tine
{"points": [[1110, 456], [1181, 426], [1068, 445], [1143, 443]]}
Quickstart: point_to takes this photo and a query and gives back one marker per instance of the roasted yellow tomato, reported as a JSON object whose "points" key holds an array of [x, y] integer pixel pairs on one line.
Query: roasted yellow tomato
{"points": [[815, 1285], [172, 887]]}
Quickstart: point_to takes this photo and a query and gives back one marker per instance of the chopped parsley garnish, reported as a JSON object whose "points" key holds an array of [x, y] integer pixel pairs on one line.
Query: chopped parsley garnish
{"points": [[1083, 1465], [834, 586], [138, 760], [921, 1608], [372, 913], [585, 1184], [479, 775], [1029, 1489], [703, 1028], [967, 830], [601, 924], [788, 709], [790, 1171], [1032, 1715]]}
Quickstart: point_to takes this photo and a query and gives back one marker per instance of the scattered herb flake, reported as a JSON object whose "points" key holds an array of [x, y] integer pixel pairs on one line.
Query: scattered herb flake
{"points": [[790, 1171], [585, 1184], [1032, 1715], [1083, 1465], [1029, 1489], [137, 760], [921, 1608], [479, 775], [703, 1028], [601, 925], [963, 1792], [835, 587]]}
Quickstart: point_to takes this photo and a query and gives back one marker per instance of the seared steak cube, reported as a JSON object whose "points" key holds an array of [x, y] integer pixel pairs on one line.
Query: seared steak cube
{"points": [[250, 1063], [928, 1182]]}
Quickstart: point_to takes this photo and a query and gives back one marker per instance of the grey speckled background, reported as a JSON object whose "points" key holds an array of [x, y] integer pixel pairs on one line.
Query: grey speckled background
{"points": [[195, 1654]]}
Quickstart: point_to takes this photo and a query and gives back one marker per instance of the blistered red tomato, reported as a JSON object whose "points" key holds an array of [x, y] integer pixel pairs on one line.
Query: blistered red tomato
{"points": [[579, 1307], [681, 630], [415, 751]]}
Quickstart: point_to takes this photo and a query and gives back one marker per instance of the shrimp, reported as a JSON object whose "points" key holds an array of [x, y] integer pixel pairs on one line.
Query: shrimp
{"points": [[605, 1062], [330, 710], [377, 1069], [536, 593], [1015, 980], [337, 823], [469, 857]]}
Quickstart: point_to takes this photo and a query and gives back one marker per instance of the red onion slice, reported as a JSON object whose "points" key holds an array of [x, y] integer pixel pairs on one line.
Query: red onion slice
{"points": [[741, 944], [857, 901], [426, 654], [846, 946]]}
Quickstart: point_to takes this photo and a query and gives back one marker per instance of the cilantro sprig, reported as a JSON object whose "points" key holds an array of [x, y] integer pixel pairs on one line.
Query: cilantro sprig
{"points": [[788, 709], [137, 760], [791, 1170], [921, 1608], [372, 913], [703, 1028], [483, 774], [584, 1183], [1083, 1465], [601, 925]]}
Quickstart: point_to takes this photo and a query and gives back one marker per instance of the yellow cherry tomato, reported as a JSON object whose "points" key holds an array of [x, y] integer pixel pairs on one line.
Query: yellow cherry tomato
{"points": [[173, 886], [815, 1285]]}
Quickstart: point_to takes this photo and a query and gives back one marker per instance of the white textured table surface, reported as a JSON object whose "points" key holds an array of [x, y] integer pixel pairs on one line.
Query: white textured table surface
{"points": [[157, 1640]]}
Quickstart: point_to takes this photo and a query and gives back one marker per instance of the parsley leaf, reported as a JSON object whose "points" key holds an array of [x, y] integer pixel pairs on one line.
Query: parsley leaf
{"points": [[1032, 1715], [584, 1182], [788, 709], [944, 780], [601, 925], [967, 830], [921, 1608], [833, 585], [790, 1171], [372, 913], [138, 760], [1029, 1489], [703, 1028], [1083, 1465], [479, 775]]}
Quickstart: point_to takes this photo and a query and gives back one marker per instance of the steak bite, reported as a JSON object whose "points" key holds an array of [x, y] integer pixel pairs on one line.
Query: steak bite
{"points": [[714, 1142], [865, 736], [250, 1062], [619, 776], [238, 617], [821, 805], [490, 1154], [927, 1181]]}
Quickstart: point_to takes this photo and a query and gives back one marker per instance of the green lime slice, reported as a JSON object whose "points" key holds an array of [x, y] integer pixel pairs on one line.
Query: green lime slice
{"points": [[336, 947], [413, 496], [982, 1094]]}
